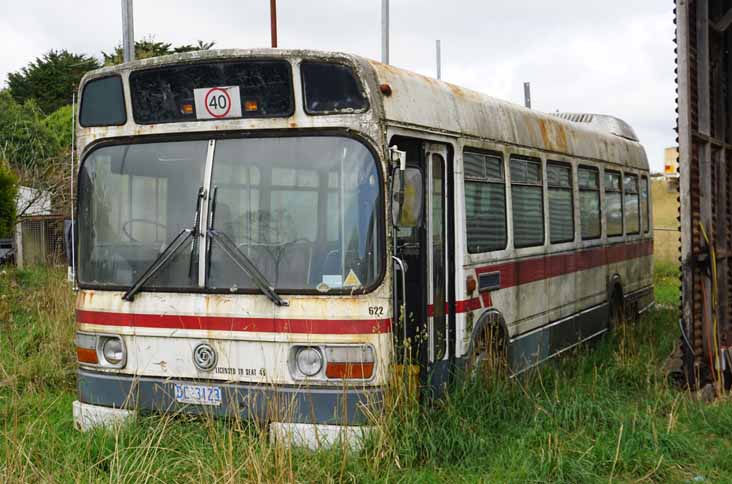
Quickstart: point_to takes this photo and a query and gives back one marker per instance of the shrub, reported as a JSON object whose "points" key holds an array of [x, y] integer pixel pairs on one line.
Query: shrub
{"points": [[25, 141], [8, 195]]}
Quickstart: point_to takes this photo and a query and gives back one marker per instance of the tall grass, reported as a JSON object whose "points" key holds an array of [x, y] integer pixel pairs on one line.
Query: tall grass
{"points": [[597, 415]]}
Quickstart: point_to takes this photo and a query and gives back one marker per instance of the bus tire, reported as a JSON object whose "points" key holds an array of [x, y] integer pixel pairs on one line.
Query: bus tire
{"points": [[488, 353], [616, 309]]}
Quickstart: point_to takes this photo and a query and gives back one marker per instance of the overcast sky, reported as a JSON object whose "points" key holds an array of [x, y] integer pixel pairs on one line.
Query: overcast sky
{"points": [[579, 55]]}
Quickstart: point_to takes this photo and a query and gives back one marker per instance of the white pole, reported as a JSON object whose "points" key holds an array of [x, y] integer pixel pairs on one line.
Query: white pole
{"points": [[527, 94], [438, 53], [73, 175], [385, 31], [128, 31]]}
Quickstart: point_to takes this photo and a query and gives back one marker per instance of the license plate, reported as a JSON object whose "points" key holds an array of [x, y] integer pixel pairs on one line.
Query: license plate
{"points": [[198, 394]]}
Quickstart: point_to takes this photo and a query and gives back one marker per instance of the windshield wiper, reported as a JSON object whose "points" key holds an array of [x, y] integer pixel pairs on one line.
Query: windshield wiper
{"points": [[245, 264], [167, 254]]}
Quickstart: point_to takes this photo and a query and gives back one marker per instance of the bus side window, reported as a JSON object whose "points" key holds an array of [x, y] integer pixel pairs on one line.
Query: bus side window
{"points": [[631, 204], [589, 194], [485, 202], [527, 193], [644, 206], [613, 203], [561, 203]]}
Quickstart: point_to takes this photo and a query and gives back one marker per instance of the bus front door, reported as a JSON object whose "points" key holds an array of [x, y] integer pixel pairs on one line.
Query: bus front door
{"points": [[422, 248]]}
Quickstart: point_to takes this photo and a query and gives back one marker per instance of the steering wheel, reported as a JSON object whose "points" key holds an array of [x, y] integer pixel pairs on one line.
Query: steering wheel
{"points": [[126, 225]]}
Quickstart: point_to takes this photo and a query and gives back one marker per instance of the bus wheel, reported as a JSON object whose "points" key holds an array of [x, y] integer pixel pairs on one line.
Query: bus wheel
{"points": [[616, 315], [488, 356]]}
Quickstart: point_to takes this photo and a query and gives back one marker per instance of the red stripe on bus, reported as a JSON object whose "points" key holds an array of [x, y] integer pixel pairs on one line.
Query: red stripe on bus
{"points": [[539, 268], [218, 323], [467, 305], [460, 307]]}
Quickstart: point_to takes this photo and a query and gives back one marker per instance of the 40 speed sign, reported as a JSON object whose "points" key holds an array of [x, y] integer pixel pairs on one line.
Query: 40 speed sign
{"points": [[217, 102]]}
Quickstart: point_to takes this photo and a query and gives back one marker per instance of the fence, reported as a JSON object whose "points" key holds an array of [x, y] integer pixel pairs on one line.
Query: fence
{"points": [[40, 241]]}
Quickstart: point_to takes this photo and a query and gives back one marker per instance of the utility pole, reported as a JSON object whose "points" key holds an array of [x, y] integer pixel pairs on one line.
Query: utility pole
{"points": [[128, 32], [385, 31], [527, 94], [273, 21], [438, 53]]}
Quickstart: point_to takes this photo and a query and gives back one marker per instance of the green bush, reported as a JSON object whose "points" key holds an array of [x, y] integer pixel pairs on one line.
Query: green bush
{"points": [[8, 194], [59, 125], [25, 140]]}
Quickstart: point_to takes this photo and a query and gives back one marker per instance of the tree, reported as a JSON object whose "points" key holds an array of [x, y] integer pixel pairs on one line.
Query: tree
{"points": [[59, 126], [51, 79], [148, 47], [8, 196], [25, 141]]}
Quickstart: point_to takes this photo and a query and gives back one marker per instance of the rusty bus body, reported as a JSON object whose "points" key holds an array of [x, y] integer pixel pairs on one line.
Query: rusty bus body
{"points": [[540, 299]]}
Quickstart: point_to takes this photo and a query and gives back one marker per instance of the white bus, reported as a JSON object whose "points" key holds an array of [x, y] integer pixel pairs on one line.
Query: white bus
{"points": [[259, 231]]}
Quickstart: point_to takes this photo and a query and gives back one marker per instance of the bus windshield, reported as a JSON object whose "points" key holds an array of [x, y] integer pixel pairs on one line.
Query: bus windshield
{"points": [[304, 210]]}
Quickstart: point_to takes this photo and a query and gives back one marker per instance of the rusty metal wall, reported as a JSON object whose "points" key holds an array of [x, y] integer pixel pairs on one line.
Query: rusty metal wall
{"points": [[704, 38]]}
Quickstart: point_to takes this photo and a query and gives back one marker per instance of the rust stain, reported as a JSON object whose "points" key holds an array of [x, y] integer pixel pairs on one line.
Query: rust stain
{"points": [[545, 134], [84, 299], [456, 90], [292, 124], [553, 135], [561, 138]]}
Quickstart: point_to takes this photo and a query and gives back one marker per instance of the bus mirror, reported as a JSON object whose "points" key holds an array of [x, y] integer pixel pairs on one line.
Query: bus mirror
{"points": [[397, 156], [407, 199]]}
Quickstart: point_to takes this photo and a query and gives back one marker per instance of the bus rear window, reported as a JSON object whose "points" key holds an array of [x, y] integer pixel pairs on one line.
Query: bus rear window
{"points": [[331, 88], [261, 88], [103, 103]]}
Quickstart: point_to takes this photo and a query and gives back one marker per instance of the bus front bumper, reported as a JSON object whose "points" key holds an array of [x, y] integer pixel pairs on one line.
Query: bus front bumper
{"points": [[106, 398]]}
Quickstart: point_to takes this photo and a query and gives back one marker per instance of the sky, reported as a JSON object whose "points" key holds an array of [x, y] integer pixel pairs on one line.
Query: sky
{"points": [[579, 55]]}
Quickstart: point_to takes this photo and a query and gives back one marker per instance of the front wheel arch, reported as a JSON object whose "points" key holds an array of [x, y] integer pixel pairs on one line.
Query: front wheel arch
{"points": [[489, 338]]}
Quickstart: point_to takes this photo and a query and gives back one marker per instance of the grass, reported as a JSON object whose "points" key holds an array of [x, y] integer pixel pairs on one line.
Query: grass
{"points": [[596, 415]]}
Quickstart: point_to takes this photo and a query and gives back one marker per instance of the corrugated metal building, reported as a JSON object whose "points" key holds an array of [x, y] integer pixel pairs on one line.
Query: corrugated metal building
{"points": [[704, 38]]}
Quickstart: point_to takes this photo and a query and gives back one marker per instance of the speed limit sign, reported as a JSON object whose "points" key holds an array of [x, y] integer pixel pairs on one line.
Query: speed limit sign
{"points": [[217, 102]]}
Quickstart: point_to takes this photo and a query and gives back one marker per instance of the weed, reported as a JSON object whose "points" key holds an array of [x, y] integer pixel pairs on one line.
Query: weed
{"points": [[594, 415]]}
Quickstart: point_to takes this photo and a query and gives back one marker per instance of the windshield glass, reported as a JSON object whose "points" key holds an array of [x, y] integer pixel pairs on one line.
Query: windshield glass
{"points": [[304, 210], [133, 201]]}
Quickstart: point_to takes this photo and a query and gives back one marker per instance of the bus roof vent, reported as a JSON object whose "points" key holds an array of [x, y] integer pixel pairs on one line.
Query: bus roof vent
{"points": [[601, 122]]}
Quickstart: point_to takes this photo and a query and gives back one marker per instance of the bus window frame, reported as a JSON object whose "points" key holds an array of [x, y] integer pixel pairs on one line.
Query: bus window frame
{"points": [[244, 134], [293, 101], [638, 195], [356, 76], [124, 102], [644, 177], [621, 191], [504, 169], [565, 164], [600, 199], [541, 184]]}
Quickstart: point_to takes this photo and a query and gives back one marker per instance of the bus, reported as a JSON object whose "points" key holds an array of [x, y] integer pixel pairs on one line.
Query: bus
{"points": [[270, 233]]}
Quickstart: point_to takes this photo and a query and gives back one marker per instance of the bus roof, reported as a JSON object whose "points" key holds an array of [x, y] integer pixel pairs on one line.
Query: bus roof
{"points": [[418, 101]]}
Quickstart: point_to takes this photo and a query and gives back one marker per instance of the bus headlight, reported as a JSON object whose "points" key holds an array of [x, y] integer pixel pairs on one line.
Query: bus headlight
{"points": [[309, 361], [112, 351]]}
